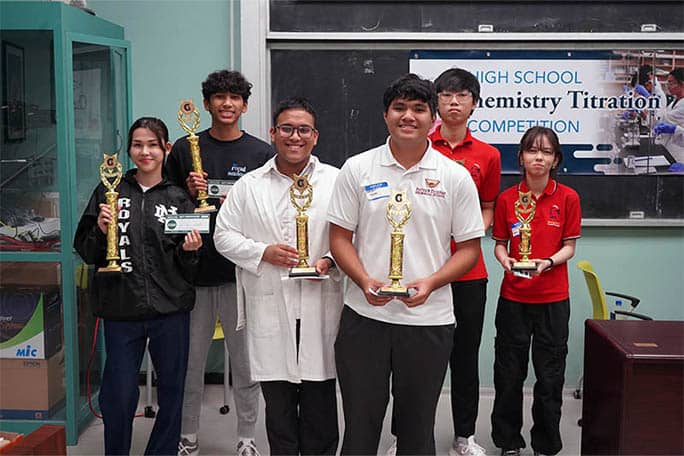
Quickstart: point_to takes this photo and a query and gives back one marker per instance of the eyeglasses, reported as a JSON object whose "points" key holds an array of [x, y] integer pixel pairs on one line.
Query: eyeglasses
{"points": [[446, 97], [535, 151], [304, 131]]}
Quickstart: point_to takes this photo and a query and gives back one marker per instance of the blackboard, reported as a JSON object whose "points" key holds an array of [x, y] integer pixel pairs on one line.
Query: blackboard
{"points": [[464, 16], [346, 87]]}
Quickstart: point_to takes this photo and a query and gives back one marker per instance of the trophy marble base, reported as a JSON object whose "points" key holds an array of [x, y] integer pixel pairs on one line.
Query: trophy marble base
{"points": [[523, 266], [205, 210], [394, 291], [303, 272], [109, 269]]}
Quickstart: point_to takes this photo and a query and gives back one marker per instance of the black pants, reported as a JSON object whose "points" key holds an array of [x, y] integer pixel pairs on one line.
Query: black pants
{"points": [[469, 308], [301, 418], [546, 326], [367, 353]]}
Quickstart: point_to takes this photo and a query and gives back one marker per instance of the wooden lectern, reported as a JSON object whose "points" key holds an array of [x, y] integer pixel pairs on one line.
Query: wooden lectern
{"points": [[633, 389]]}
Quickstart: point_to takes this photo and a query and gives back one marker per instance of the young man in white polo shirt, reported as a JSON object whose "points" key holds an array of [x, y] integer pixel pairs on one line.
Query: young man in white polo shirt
{"points": [[406, 338]]}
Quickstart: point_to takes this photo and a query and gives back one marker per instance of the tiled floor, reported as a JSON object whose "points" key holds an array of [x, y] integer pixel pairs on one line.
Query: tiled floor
{"points": [[218, 432]]}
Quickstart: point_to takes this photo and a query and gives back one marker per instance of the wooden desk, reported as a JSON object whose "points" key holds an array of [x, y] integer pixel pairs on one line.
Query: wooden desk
{"points": [[633, 387]]}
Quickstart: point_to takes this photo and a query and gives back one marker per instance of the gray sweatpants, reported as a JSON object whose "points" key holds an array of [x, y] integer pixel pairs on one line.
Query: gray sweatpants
{"points": [[210, 302]]}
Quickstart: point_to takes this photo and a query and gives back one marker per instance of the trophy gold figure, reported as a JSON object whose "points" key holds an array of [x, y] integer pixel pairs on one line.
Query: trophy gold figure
{"points": [[301, 190], [110, 175], [524, 209], [398, 214], [189, 120]]}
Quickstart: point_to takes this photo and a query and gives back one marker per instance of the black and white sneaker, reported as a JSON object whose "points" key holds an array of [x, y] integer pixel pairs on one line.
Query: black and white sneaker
{"points": [[188, 448], [247, 448]]}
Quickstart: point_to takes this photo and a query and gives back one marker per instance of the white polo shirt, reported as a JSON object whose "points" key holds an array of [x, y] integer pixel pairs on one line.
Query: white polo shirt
{"points": [[444, 204]]}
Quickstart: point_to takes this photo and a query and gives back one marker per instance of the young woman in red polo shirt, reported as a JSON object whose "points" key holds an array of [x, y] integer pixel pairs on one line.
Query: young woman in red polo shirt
{"points": [[534, 310]]}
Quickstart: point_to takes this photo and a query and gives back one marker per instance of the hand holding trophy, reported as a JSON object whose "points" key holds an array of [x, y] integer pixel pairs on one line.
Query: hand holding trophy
{"points": [[301, 190], [398, 214], [110, 175], [525, 208], [189, 120]]}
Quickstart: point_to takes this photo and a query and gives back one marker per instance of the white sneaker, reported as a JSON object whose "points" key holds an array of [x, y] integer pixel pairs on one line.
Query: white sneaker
{"points": [[392, 450], [247, 448], [466, 447], [187, 447]]}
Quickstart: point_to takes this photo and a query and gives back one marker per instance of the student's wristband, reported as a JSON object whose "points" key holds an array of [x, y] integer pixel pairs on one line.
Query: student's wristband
{"points": [[551, 265]]}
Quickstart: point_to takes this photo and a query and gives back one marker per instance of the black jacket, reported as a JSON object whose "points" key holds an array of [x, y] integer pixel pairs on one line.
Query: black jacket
{"points": [[157, 274]]}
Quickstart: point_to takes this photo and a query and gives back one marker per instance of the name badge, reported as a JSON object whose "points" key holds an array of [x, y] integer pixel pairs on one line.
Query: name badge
{"points": [[218, 188], [515, 228], [377, 191], [185, 223]]}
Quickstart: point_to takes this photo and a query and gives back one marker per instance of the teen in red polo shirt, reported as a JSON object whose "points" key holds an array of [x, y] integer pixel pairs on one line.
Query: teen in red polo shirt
{"points": [[458, 92], [534, 310]]}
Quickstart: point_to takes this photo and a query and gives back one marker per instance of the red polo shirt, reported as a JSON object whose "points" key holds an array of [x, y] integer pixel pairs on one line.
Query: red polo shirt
{"points": [[484, 164], [557, 218]]}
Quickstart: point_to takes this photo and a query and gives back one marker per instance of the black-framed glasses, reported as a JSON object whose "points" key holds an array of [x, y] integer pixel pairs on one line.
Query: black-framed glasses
{"points": [[304, 131], [446, 97]]}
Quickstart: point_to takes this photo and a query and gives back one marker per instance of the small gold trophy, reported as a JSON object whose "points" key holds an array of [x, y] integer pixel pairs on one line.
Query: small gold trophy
{"points": [[301, 190], [110, 175], [524, 208], [398, 214], [189, 120]]}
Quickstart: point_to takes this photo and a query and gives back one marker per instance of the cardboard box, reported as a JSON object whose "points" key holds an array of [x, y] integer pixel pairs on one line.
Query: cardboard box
{"points": [[30, 322], [31, 388]]}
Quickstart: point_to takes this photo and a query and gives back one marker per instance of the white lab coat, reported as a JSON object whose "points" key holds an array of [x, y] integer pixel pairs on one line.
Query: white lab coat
{"points": [[268, 301], [673, 115]]}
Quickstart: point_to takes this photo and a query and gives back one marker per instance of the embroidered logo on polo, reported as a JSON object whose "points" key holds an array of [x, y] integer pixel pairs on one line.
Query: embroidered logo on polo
{"points": [[475, 171], [431, 184], [237, 170], [554, 216]]}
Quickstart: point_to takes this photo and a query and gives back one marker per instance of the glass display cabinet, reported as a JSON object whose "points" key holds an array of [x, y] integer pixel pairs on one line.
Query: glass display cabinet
{"points": [[65, 100]]}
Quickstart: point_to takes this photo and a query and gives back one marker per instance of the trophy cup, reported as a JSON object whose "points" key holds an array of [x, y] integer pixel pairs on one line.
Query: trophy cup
{"points": [[524, 209], [301, 190], [189, 119], [110, 175], [398, 213]]}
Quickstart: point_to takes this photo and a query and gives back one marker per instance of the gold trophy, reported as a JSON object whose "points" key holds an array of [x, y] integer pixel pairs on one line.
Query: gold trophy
{"points": [[398, 214], [189, 120], [524, 209], [110, 175], [301, 190]]}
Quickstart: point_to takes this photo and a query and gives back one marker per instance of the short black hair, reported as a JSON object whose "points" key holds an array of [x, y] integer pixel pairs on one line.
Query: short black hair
{"points": [[411, 87], [295, 102], [456, 80], [678, 74], [533, 135], [223, 81]]}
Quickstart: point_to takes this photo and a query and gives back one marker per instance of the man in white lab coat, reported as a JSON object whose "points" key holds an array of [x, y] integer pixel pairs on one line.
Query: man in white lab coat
{"points": [[673, 116], [291, 324]]}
